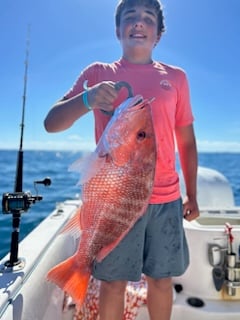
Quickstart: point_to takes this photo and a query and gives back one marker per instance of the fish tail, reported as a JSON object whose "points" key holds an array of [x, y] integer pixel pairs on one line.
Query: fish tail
{"points": [[68, 276]]}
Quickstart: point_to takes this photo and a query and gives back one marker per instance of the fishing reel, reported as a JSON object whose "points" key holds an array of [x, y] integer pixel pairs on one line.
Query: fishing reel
{"points": [[17, 203], [21, 201]]}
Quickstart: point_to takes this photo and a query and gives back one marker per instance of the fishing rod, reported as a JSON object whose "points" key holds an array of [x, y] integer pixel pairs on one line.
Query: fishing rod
{"points": [[19, 169], [19, 202]]}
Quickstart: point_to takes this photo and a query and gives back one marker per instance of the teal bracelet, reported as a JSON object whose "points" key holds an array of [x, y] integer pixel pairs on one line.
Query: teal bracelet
{"points": [[85, 100]]}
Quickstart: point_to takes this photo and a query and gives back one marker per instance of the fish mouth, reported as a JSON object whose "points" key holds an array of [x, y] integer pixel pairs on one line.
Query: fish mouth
{"points": [[137, 103], [132, 104]]}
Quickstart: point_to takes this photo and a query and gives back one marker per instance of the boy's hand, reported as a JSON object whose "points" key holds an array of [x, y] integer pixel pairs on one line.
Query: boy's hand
{"points": [[190, 209], [102, 95]]}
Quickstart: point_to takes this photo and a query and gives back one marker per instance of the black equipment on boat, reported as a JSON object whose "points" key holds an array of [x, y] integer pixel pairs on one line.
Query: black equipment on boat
{"points": [[18, 201]]}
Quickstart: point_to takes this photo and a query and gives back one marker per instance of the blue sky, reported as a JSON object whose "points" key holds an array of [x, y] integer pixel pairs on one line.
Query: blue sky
{"points": [[202, 37]]}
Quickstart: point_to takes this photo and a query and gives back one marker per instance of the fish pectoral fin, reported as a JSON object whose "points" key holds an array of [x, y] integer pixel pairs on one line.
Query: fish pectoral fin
{"points": [[88, 166]]}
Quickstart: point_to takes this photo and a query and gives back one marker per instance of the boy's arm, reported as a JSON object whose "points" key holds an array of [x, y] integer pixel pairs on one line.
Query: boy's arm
{"points": [[188, 159], [66, 111]]}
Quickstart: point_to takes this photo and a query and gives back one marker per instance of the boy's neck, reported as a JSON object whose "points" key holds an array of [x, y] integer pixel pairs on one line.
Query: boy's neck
{"points": [[137, 59]]}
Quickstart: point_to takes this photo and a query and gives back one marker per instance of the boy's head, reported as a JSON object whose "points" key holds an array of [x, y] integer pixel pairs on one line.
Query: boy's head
{"points": [[123, 4]]}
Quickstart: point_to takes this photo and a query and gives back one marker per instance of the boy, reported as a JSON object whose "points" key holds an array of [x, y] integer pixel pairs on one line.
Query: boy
{"points": [[164, 251]]}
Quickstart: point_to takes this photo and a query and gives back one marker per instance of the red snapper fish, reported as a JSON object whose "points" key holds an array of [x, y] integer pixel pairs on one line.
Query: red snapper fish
{"points": [[116, 187]]}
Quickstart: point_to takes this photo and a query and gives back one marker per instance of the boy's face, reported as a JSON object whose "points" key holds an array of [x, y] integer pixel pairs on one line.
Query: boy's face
{"points": [[138, 28]]}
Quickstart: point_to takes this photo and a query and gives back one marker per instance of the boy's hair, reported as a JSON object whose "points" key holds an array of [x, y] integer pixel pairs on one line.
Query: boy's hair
{"points": [[156, 4]]}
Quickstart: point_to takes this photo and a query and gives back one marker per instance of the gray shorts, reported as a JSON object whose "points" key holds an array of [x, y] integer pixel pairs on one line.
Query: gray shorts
{"points": [[155, 246]]}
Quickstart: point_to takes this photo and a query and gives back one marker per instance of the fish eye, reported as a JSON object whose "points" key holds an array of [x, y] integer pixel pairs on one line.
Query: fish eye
{"points": [[141, 135]]}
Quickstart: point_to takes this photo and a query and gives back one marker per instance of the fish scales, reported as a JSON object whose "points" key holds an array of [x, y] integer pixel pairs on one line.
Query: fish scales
{"points": [[115, 205], [114, 195]]}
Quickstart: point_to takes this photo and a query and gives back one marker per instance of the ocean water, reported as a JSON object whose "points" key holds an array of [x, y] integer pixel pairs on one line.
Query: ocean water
{"points": [[37, 166], [41, 164]]}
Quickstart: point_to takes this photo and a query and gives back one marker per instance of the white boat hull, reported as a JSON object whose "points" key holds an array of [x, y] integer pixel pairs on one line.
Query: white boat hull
{"points": [[25, 294]]}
